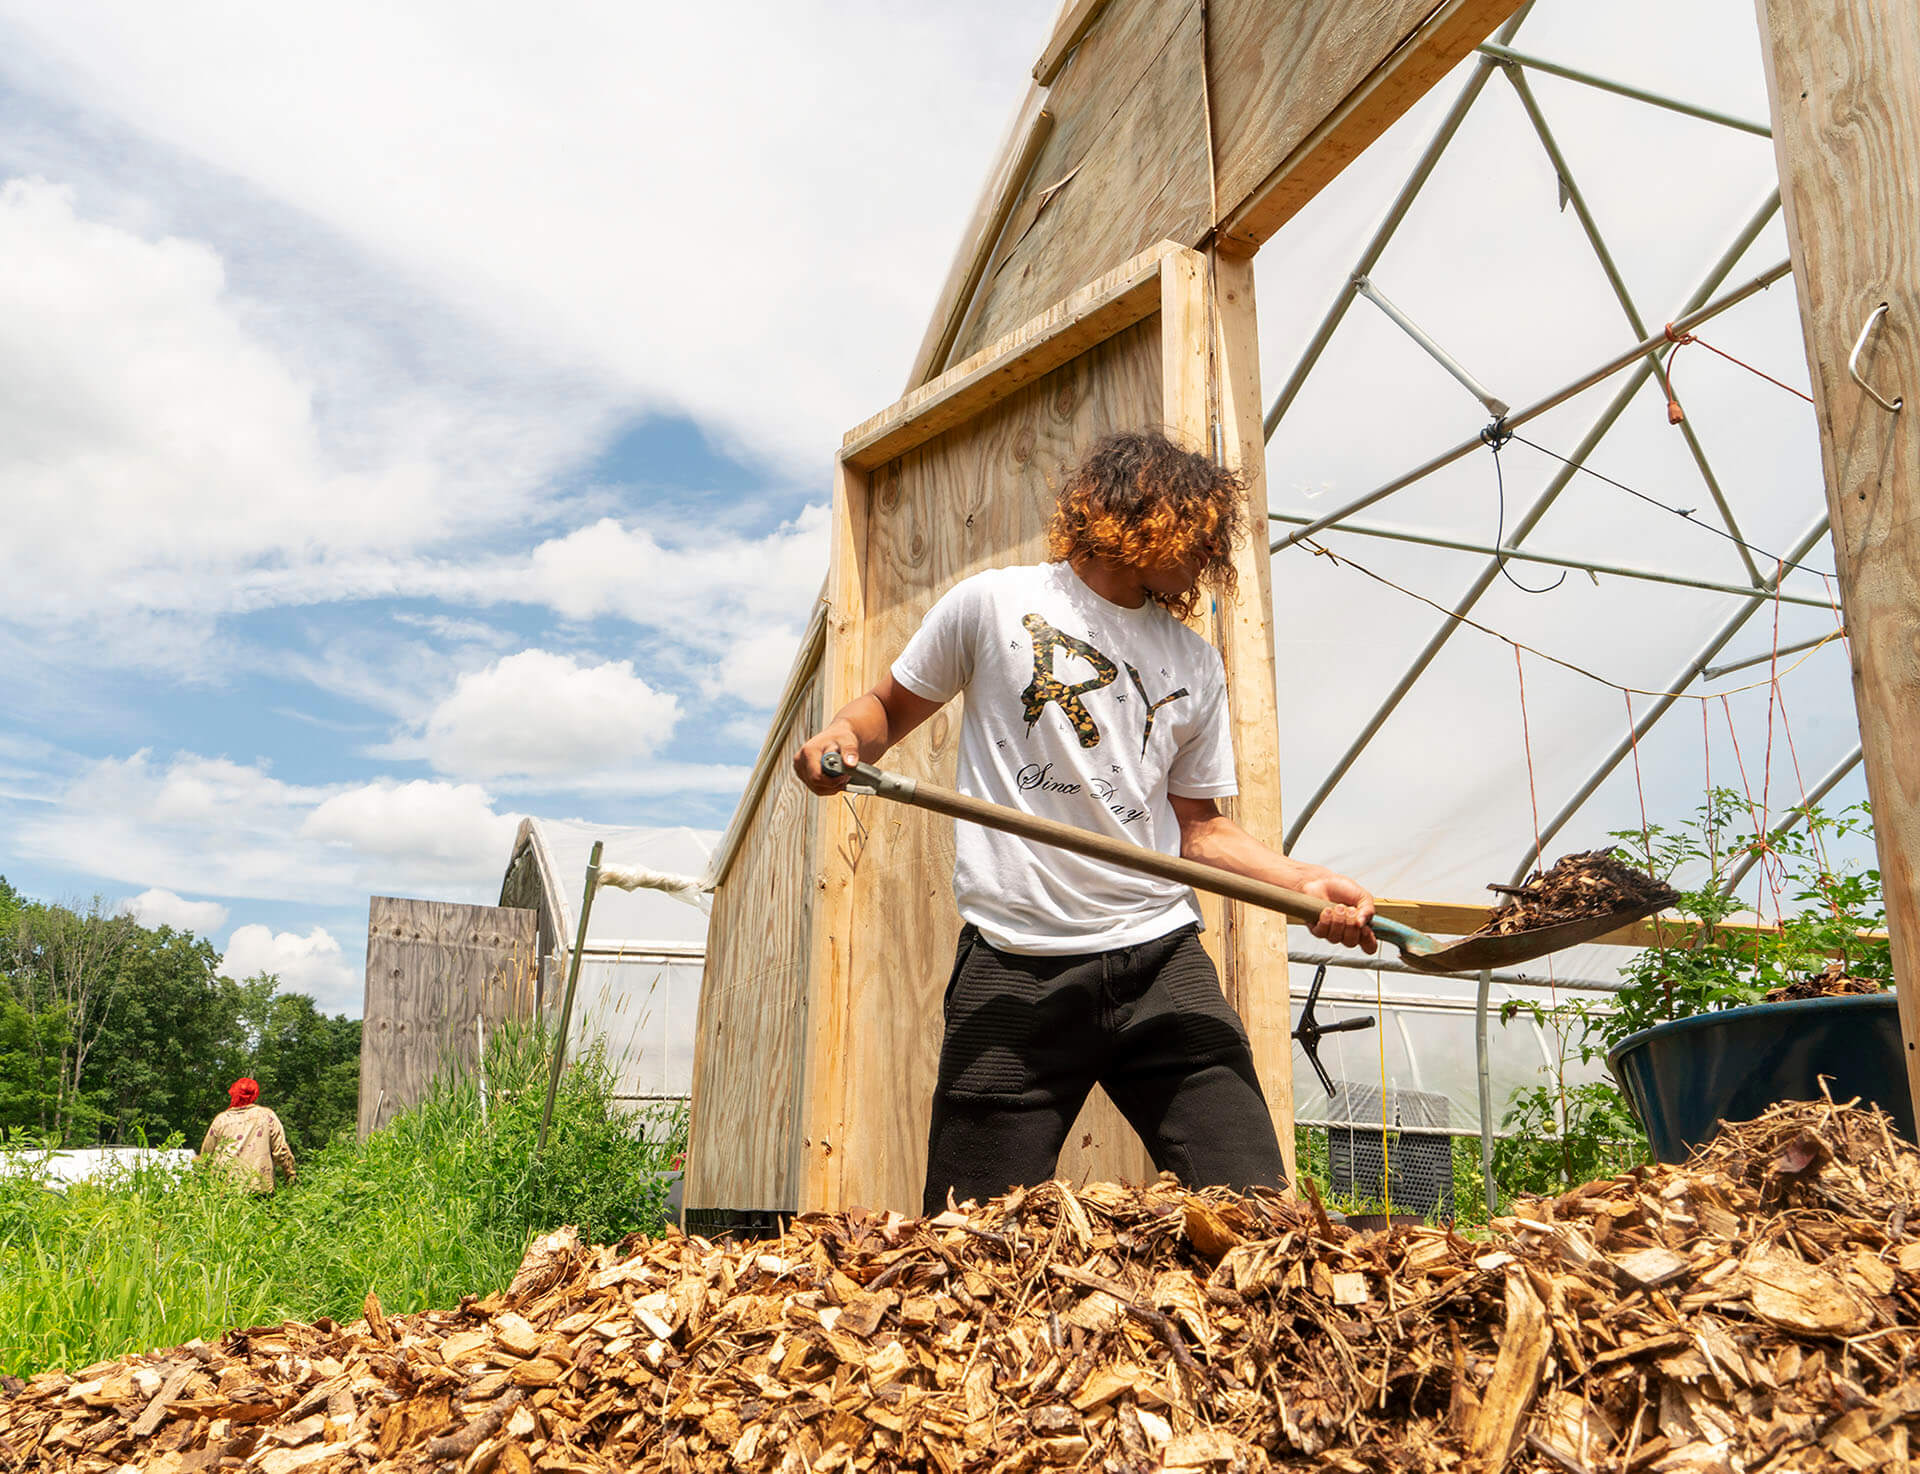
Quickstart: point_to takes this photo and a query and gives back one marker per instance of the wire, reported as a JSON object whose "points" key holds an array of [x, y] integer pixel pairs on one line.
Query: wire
{"points": [[1339, 560], [1680, 340], [1496, 435], [1685, 514]]}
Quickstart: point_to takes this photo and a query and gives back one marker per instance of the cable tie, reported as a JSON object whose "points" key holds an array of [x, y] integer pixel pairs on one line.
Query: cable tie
{"points": [[1496, 435]]}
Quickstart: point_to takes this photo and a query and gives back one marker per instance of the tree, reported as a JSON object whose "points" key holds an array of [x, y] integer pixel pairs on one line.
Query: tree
{"points": [[63, 969], [111, 1032], [308, 1066]]}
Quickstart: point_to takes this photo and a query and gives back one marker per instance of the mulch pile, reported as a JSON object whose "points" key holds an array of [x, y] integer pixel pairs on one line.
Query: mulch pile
{"points": [[1591, 883], [1834, 982], [1755, 1310]]}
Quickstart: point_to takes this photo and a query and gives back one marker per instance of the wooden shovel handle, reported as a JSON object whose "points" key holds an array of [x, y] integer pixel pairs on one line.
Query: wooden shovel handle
{"points": [[1127, 856]]}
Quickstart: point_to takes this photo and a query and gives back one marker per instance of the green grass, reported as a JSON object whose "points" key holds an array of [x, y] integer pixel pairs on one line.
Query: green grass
{"points": [[434, 1207]]}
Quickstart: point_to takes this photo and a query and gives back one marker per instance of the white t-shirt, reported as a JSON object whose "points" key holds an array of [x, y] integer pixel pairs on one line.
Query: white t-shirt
{"points": [[1081, 710]]}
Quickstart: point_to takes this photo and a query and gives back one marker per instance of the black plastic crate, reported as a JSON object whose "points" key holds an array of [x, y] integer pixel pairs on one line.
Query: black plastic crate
{"points": [[1385, 1154]]}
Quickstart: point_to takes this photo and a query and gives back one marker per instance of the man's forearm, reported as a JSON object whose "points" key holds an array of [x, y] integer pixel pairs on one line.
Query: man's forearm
{"points": [[1223, 843], [867, 717]]}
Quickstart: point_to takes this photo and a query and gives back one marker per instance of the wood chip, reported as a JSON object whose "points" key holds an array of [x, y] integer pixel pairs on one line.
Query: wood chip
{"points": [[1756, 1309]]}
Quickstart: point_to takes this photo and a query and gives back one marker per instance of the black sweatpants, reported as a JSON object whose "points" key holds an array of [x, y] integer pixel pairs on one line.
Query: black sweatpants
{"points": [[1027, 1038]]}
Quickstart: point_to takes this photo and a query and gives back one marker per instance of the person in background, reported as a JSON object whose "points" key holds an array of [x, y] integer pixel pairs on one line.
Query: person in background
{"points": [[247, 1141]]}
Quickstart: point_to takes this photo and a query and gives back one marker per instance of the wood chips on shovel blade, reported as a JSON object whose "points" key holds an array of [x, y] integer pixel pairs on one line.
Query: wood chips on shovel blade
{"points": [[1755, 1310], [1592, 883]]}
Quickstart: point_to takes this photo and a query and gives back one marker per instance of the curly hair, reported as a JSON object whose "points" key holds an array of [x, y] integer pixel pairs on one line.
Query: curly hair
{"points": [[1138, 499]]}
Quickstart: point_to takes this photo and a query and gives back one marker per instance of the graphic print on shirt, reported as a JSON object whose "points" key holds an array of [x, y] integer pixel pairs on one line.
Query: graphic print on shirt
{"points": [[1046, 688], [1152, 705]]}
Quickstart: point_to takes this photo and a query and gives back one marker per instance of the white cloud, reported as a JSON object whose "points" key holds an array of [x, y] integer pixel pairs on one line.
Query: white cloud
{"points": [[210, 826], [444, 821], [157, 453], [161, 907], [313, 964], [608, 568], [766, 265], [542, 715]]}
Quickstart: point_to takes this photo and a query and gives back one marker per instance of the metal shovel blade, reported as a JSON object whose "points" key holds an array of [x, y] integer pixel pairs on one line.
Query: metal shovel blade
{"points": [[1481, 953]]}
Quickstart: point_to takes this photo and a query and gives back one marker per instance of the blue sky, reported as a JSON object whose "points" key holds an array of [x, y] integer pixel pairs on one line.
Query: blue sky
{"points": [[407, 424], [407, 429]]}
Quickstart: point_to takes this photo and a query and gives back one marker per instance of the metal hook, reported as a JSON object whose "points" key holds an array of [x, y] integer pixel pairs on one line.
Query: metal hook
{"points": [[1853, 363]]}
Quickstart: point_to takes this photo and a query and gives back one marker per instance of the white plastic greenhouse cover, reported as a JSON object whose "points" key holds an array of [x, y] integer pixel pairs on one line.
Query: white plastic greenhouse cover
{"points": [[1492, 260], [639, 986]]}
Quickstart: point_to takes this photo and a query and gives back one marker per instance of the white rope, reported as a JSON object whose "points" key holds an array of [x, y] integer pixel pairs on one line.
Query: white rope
{"points": [[689, 888]]}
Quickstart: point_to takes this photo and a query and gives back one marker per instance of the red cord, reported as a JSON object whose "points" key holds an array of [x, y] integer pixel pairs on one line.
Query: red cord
{"points": [[1675, 415]]}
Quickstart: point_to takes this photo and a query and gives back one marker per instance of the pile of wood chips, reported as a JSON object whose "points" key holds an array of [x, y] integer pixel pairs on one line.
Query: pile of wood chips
{"points": [[1590, 883], [1834, 982], [1755, 1310]]}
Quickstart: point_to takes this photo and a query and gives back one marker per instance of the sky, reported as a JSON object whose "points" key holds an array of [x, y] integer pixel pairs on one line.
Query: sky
{"points": [[409, 423]]}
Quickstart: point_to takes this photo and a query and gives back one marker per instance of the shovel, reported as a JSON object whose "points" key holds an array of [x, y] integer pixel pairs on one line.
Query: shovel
{"points": [[1419, 951]]}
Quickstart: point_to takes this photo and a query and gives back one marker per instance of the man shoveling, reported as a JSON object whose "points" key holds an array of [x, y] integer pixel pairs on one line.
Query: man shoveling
{"points": [[1089, 702]]}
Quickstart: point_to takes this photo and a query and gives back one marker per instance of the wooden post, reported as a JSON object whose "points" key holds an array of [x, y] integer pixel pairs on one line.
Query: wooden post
{"points": [[1210, 367], [1843, 81], [1257, 973], [837, 849]]}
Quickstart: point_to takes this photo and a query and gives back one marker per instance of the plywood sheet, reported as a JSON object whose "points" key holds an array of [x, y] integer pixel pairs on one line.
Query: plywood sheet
{"points": [[1299, 90], [1125, 166], [973, 498], [746, 1080], [433, 969]]}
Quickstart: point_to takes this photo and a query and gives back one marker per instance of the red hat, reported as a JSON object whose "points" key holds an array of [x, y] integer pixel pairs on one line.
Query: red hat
{"points": [[243, 1092]]}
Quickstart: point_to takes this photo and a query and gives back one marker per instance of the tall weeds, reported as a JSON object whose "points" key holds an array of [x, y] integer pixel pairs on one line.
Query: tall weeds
{"points": [[435, 1206]]}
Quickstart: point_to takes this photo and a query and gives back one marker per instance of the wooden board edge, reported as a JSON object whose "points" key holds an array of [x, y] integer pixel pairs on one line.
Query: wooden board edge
{"points": [[1124, 296], [806, 663], [1032, 128], [1427, 54], [1077, 17]]}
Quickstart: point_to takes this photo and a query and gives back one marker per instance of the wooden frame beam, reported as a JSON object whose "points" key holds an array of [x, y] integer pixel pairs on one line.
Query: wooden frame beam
{"points": [[1457, 919], [1843, 88], [1126, 295], [1076, 19], [1450, 33]]}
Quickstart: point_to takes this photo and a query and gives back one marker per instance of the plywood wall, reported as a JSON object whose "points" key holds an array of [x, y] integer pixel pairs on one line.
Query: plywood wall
{"points": [[743, 1134], [1129, 131], [975, 497], [433, 968]]}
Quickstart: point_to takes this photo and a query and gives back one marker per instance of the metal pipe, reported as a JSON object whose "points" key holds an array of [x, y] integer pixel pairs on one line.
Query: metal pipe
{"points": [[1583, 565], [1325, 1123], [1622, 398], [1714, 672], [566, 1002], [480, 1041], [1578, 199], [1820, 790], [1510, 979], [1659, 709], [1640, 350], [1497, 52], [1396, 212], [1496, 406], [1482, 1057]]}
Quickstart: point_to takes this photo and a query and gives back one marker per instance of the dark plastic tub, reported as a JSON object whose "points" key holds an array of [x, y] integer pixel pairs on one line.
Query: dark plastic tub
{"points": [[1686, 1076]]}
